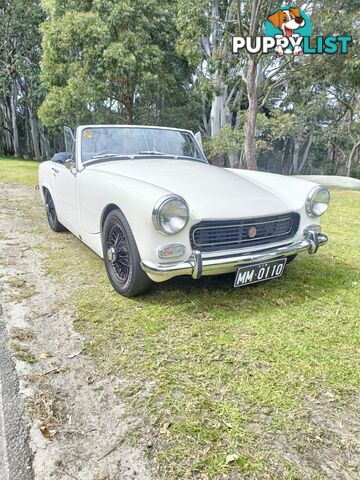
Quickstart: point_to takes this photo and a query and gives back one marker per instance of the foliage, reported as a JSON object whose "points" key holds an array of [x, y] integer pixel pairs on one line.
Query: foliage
{"points": [[227, 141], [112, 61]]}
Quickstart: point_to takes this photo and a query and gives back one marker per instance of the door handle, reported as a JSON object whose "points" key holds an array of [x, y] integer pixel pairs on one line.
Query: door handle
{"points": [[55, 170]]}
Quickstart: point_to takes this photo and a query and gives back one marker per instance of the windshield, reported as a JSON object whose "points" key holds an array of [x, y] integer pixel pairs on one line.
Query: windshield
{"points": [[111, 142]]}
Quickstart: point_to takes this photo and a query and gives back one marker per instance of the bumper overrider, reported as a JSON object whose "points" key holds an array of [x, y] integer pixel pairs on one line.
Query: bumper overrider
{"points": [[197, 265]]}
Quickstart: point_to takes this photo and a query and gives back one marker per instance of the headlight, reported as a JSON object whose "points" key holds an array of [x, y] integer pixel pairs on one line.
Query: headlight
{"points": [[170, 214], [317, 201]]}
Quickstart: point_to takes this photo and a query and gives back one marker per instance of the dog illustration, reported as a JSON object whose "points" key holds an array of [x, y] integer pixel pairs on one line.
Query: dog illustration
{"points": [[288, 21]]}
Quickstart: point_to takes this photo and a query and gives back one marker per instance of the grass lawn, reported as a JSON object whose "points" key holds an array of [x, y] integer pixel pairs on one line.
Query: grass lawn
{"points": [[260, 382], [20, 171]]}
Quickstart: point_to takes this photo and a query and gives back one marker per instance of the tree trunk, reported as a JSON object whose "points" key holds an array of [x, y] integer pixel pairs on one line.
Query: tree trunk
{"points": [[295, 165], [29, 151], [284, 156], [234, 159], [34, 134], [15, 132], [44, 142], [215, 116], [333, 165], [7, 114], [351, 157], [220, 115], [306, 153], [6, 129], [252, 113]]}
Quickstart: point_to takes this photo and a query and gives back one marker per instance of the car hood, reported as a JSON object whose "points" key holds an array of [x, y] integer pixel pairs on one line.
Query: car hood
{"points": [[211, 192]]}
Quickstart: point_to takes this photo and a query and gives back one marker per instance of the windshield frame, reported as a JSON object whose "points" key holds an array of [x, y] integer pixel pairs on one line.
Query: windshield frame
{"points": [[83, 164]]}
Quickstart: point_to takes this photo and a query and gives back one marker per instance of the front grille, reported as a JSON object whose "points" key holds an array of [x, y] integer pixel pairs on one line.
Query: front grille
{"points": [[210, 236]]}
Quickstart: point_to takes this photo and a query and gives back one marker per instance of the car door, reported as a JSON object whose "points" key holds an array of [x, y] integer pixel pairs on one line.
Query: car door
{"points": [[66, 186]]}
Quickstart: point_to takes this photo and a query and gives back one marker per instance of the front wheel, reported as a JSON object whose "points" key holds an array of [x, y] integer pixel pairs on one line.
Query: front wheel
{"points": [[51, 214], [121, 257]]}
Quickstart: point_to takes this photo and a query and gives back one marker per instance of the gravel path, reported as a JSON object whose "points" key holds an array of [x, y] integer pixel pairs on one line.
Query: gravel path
{"points": [[78, 428]]}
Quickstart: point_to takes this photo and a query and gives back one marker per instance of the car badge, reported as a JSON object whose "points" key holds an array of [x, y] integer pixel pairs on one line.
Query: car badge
{"points": [[252, 232]]}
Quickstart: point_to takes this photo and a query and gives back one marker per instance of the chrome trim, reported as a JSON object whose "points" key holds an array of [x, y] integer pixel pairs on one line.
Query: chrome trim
{"points": [[238, 241], [312, 232], [196, 262], [310, 199], [247, 249], [241, 225], [159, 205], [111, 254], [197, 265]]}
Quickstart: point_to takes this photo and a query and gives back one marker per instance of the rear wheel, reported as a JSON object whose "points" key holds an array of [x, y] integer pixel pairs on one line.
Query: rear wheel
{"points": [[51, 214], [121, 257]]}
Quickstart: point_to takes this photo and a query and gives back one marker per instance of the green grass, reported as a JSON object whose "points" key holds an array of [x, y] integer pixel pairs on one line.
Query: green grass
{"points": [[20, 171], [230, 369], [22, 353], [261, 373]]}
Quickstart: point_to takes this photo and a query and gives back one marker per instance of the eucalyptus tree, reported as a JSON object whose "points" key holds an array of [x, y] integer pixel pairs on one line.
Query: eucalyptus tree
{"points": [[19, 67], [206, 30], [231, 82], [111, 60]]}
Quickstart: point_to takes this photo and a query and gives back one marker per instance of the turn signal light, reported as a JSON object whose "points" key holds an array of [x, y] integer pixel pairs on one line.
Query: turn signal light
{"points": [[171, 251]]}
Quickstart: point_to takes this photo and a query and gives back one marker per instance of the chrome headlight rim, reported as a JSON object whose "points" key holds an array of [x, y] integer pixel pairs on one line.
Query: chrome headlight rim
{"points": [[310, 201], [159, 205]]}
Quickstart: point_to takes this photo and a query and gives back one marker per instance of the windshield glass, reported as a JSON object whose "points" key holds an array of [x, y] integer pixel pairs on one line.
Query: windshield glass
{"points": [[102, 142]]}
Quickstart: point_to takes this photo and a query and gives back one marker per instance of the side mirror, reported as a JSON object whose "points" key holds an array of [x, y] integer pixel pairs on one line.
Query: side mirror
{"points": [[70, 165]]}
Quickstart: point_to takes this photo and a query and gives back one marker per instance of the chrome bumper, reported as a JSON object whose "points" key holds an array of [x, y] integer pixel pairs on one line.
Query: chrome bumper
{"points": [[197, 265]]}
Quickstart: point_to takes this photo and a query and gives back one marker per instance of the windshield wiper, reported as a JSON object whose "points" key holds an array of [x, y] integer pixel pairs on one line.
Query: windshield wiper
{"points": [[154, 152], [110, 155]]}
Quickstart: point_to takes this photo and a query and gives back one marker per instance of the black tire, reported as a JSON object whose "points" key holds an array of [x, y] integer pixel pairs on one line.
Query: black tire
{"points": [[51, 214], [121, 257], [290, 259]]}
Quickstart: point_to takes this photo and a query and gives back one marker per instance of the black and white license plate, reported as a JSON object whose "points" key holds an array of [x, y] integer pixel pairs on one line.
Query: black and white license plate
{"points": [[259, 272]]}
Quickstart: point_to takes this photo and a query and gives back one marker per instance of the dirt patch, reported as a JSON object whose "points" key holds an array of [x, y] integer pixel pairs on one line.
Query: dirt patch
{"points": [[324, 437], [79, 429]]}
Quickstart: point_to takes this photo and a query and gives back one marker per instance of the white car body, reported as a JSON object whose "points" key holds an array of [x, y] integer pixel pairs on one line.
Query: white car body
{"points": [[83, 195]]}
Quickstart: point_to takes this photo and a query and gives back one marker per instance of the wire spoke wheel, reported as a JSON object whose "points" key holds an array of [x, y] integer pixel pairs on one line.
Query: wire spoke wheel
{"points": [[121, 256], [51, 213], [118, 253], [50, 208]]}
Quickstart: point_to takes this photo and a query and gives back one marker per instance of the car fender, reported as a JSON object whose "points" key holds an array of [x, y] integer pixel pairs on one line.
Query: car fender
{"points": [[135, 198], [46, 180]]}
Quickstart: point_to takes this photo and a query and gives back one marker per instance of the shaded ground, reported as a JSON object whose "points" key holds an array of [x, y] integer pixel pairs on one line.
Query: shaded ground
{"points": [[79, 427]]}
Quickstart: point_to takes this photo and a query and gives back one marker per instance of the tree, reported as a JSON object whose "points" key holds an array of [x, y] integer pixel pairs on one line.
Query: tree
{"points": [[111, 60], [206, 30], [19, 69]]}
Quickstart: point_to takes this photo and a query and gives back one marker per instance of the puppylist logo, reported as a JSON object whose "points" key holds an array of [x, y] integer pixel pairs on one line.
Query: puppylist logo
{"points": [[288, 30]]}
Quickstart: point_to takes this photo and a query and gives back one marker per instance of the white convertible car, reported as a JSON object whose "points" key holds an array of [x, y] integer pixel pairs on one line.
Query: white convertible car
{"points": [[147, 201]]}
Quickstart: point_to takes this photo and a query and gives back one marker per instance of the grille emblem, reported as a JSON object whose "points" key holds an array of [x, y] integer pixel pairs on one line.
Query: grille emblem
{"points": [[252, 232]]}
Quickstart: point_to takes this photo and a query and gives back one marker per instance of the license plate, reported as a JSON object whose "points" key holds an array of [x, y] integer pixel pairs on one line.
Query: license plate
{"points": [[259, 272]]}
